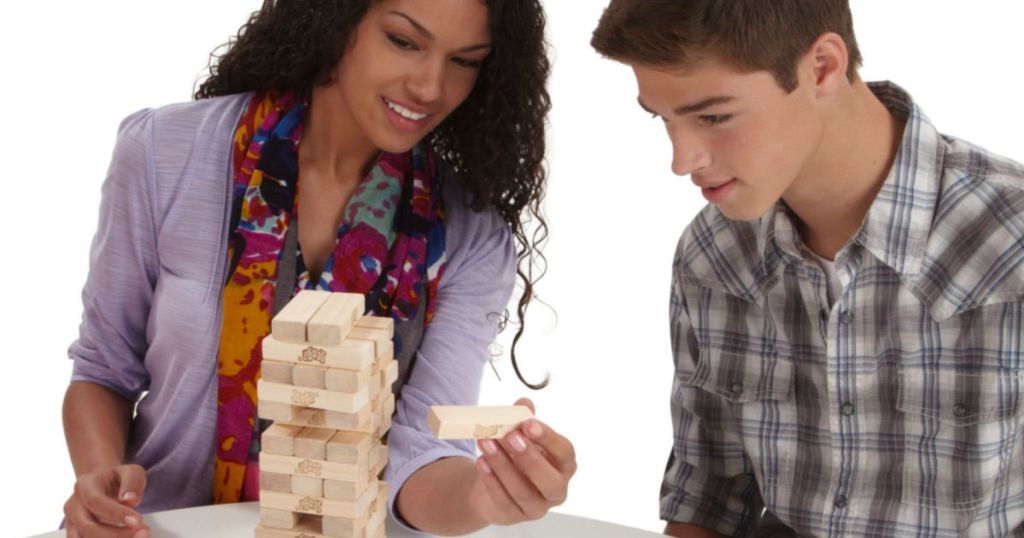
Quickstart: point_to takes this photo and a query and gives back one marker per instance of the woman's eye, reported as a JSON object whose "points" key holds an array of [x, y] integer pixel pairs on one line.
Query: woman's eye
{"points": [[403, 44], [471, 64]]}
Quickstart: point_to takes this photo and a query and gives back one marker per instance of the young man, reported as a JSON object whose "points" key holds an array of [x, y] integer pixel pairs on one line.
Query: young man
{"points": [[847, 312]]}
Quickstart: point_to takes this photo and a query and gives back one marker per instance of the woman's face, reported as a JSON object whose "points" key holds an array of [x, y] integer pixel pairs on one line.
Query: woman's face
{"points": [[408, 65]]}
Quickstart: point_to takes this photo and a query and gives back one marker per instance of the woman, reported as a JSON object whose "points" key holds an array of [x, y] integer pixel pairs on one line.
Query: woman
{"points": [[406, 137]]}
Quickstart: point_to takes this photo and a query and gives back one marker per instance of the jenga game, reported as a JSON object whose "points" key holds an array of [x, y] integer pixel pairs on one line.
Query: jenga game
{"points": [[326, 383]]}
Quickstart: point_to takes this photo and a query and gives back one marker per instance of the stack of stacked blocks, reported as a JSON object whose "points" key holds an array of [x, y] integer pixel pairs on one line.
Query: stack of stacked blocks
{"points": [[327, 376]]}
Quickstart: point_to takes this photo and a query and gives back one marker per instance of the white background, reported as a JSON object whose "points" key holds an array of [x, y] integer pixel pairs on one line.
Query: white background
{"points": [[72, 70]]}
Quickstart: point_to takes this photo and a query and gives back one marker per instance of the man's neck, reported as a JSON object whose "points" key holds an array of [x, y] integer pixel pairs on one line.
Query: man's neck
{"points": [[837, 187]]}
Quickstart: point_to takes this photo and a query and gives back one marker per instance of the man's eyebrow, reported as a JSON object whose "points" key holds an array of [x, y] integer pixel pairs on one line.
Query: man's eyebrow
{"points": [[683, 110], [430, 35]]}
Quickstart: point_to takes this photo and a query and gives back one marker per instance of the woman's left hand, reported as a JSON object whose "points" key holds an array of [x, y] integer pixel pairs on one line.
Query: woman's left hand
{"points": [[523, 475]]}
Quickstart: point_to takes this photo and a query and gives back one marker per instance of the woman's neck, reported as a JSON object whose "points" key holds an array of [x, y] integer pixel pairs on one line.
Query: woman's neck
{"points": [[332, 144]]}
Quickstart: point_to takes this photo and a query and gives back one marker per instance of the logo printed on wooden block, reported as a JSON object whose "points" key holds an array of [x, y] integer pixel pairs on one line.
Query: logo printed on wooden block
{"points": [[485, 431], [309, 467], [304, 398], [310, 504], [313, 354], [319, 417]]}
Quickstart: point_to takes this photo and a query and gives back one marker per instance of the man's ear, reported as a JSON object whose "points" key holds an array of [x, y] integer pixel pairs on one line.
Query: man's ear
{"points": [[824, 65]]}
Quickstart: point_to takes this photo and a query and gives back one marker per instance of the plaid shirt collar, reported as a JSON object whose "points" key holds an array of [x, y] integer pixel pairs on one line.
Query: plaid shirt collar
{"points": [[898, 222]]}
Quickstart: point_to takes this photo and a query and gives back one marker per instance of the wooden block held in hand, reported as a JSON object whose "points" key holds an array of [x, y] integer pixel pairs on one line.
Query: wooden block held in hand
{"points": [[290, 323], [335, 318], [475, 422]]}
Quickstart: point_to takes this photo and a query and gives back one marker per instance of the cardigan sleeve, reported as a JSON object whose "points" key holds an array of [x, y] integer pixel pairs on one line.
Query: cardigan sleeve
{"points": [[472, 296], [111, 345]]}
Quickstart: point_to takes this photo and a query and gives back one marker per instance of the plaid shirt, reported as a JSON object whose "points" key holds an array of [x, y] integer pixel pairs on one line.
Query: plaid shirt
{"points": [[895, 411]]}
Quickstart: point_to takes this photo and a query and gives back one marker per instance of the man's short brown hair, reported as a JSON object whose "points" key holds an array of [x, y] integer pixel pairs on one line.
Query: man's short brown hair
{"points": [[751, 35]]}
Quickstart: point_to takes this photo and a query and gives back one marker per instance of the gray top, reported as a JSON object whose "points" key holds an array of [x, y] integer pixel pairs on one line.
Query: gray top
{"points": [[152, 302]]}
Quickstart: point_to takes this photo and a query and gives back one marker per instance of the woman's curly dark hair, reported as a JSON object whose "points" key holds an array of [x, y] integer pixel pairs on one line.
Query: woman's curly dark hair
{"points": [[494, 141]]}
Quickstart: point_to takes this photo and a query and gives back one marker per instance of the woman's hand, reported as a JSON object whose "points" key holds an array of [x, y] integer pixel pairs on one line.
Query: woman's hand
{"points": [[102, 505], [523, 475]]}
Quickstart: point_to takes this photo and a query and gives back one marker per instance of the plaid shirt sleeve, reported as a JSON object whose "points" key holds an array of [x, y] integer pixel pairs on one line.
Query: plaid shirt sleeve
{"points": [[709, 481]]}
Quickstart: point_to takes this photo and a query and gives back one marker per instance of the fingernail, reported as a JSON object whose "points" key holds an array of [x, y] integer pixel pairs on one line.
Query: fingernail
{"points": [[489, 446], [131, 521], [517, 442], [534, 429], [128, 496], [483, 466]]}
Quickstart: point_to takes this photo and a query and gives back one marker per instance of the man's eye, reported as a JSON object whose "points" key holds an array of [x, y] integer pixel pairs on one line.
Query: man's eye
{"points": [[715, 119]]}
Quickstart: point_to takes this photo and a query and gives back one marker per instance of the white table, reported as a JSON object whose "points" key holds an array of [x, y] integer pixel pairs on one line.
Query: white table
{"points": [[239, 520]]}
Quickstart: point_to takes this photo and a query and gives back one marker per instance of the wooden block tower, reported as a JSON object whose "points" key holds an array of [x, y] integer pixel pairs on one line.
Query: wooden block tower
{"points": [[327, 378]]}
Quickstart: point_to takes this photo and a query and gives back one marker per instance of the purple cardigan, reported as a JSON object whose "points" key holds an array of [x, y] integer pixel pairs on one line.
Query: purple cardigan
{"points": [[152, 302]]}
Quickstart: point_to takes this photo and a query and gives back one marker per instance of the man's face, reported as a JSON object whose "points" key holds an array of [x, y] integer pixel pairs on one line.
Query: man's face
{"points": [[742, 139]]}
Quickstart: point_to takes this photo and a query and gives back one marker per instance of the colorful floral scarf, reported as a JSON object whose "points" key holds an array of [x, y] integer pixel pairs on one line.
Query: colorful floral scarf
{"points": [[390, 247]]}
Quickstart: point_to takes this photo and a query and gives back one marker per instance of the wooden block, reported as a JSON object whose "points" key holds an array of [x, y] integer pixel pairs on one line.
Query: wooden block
{"points": [[389, 405], [276, 371], [307, 527], [335, 318], [389, 351], [361, 420], [347, 402], [312, 443], [328, 470], [475, 422], [350, 354], [279, 439], [278, 519], [308, 375], [307, 485], [388, 374], [278, 412], [349, 447], [383, 425], [379, 338], [341, 526], [342, 380], [378, 458], [279, 482], [318, 505], [381, 323], [378, 513], [290, 323]]}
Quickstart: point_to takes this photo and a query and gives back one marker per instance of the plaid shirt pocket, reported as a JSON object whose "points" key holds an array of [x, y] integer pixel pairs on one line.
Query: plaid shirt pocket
{"points": [[959, 432]]}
